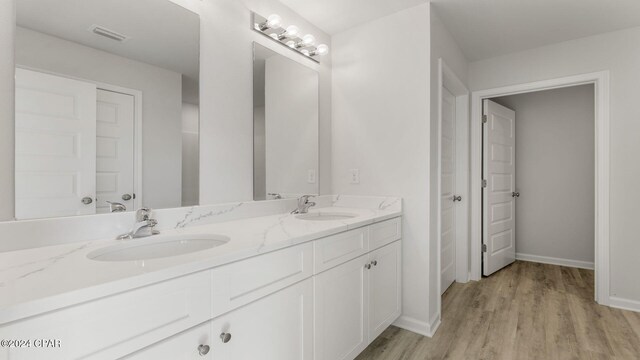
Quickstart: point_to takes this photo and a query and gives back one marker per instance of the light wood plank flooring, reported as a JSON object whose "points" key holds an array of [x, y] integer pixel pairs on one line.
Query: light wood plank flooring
{"points": [[525, 311]]}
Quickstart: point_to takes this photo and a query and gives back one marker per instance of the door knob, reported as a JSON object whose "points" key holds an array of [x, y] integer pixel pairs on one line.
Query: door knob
{"points": [[367, 266], [203, 349], [457, 198], [374, 263], [87, 200], [515, 194], [126, 197], [225, 337]]}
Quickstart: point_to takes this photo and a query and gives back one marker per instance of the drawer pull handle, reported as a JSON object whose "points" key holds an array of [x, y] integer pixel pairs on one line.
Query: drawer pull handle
{"points": [[203, 349], [374, 262], [225, 337]]}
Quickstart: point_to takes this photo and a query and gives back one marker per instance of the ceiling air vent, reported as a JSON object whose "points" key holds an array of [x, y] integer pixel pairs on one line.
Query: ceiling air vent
{"points": [[103, 31]]}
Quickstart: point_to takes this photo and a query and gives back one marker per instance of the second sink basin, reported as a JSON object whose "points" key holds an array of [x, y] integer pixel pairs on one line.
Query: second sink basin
{"points": [[157, 246], [326, 216]]}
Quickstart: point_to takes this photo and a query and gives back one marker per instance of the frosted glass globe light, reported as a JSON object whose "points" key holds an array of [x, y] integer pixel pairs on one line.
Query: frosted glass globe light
{"points": [[322, 49], [274, 21], [292, 31], [308, 40]]}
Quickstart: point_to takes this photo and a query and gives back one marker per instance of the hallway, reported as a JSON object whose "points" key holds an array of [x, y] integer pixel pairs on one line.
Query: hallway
{"points": [[525, 311]]}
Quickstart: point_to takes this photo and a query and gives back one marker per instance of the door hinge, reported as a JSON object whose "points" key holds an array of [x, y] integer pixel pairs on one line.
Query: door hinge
{"points": [[484, 247], [484, 119], [484, 183]]}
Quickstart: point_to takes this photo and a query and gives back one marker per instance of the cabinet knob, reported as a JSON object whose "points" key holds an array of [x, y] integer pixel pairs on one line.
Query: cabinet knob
{"points": [[87, 200], [225, 337], [367, 266], [374, 262], [203, 349]]}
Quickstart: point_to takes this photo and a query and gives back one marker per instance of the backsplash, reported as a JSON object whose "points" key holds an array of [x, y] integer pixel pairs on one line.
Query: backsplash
{"points": [[26, 234]]}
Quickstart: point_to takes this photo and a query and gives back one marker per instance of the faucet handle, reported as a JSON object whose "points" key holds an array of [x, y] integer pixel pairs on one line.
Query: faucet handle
{"points": [[305, 198], [143, 214]]}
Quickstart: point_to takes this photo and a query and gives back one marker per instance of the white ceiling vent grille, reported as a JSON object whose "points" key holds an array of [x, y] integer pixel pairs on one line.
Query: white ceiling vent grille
{"points": [[108, 33]]}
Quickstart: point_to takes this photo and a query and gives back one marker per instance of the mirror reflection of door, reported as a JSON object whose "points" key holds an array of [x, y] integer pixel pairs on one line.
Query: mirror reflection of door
{"points": [[114, 150], [55, 146], [74, 147]]}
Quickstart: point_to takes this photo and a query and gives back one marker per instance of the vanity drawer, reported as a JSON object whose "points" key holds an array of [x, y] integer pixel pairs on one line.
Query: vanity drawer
{"points": [[385, 232], [117, 325], [244, 281], [340, 248]]}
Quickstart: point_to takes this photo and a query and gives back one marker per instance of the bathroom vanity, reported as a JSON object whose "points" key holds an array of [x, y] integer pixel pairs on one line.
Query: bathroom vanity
{"points": [[321, 285]]}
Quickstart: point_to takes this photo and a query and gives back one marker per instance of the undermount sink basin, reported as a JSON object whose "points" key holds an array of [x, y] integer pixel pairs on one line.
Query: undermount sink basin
{"points": [[158, 246], [326, 216]]}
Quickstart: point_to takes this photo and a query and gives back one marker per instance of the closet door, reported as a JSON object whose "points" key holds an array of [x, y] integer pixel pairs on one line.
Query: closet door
{"points": [[498, 195], [448, 197]]}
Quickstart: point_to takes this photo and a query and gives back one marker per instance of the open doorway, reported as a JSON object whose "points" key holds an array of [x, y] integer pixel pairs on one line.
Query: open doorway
{"points": [[597, 84], [538, 167]]}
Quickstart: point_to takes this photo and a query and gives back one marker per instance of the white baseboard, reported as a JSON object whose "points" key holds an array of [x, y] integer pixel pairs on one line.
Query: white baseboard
{"points": [[555, 261], [417, 326], [624, 304]]}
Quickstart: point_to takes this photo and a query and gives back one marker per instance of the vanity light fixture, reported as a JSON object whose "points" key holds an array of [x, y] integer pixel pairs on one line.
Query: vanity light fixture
{"points": [[272, 27]]}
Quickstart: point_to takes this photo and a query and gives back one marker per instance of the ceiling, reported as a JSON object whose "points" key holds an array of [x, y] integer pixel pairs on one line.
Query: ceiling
{"points": [[161, 33], [489, 28], [335, 16]]}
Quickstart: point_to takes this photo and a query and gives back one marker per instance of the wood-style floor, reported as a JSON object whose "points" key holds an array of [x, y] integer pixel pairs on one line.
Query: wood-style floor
{"points": [[525, 311]]}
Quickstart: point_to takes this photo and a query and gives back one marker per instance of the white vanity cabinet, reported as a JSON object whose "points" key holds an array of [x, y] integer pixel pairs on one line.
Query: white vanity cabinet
{"points": [[194, 343], [279, 327], [325, 299], [357, 300]]}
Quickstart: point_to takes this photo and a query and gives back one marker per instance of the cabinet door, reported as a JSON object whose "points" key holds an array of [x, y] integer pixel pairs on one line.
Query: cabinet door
{"points": [[278, 327], [384, 288], [341, 310], [194, 343]]}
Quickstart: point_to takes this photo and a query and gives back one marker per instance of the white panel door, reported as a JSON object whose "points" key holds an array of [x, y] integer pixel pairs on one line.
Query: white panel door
{"points": [[342, 310], [55, 146], [447, 192], [384, 288], [499, 171], [115, 150], [278, 327]]}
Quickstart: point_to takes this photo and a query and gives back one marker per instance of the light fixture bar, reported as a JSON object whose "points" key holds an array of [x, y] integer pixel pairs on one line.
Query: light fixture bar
{"points": [[289, 36]]}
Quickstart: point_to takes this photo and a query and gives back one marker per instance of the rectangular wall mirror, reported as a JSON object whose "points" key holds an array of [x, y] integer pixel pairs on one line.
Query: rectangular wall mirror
{"points": [[285, 126], [107, 106]]}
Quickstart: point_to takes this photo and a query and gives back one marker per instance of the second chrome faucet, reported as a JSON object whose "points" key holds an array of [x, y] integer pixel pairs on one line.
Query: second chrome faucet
{"points": [[303, 204]]}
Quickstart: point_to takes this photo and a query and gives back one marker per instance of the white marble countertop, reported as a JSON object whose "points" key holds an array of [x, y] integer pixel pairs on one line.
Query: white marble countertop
{"points": [[37, 280]]}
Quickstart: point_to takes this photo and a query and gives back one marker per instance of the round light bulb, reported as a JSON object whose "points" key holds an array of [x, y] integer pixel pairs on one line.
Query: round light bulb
{"points": [[274, 21], [322, 49], [305, 52], [308, 40], [291, 44], [274, 35], [292, 31]]}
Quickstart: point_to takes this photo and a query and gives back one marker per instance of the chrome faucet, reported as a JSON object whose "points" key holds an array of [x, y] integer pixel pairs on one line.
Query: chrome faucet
{"points": [[304, 204], [143, 226]]}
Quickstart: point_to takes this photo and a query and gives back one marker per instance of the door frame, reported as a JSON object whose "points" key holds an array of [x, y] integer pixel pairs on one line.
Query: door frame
{"points": [[447, 78], [600, 80], [137, 130]]}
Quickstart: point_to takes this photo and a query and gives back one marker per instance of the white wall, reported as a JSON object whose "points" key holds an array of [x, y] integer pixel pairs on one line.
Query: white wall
{"points": [[161, 103], [381, 127], [554, 172], [226, 107], [291, 126], [7, 128], [190, 154], [618, 52], [444, 47]]}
